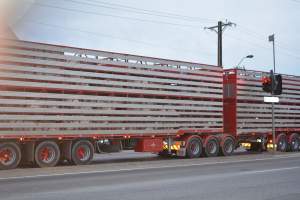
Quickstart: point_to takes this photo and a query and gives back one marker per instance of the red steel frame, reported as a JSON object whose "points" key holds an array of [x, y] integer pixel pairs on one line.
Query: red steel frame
{"points": [[229, 102]]}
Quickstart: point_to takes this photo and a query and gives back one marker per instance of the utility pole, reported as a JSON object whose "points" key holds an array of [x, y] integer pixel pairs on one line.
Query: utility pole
{"points": [[219, 29]]}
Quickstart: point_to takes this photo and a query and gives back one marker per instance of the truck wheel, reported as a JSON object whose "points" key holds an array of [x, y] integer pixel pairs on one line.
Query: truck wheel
{"points": [[227, 146], [211, 147], [255, 147], [194, 147], [164, 154], [282, 143], [10, 155], [294, 142], [82, 152], [47, 154]]}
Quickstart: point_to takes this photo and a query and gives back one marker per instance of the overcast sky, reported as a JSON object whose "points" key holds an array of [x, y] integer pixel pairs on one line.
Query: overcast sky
{"points": [[144, 27]]}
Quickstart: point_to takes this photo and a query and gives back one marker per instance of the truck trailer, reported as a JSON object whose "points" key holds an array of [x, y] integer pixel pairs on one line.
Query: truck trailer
{"points": [[249, 118], [60, 103]]}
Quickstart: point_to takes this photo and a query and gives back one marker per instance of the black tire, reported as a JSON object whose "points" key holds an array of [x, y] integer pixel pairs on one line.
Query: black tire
{"points": [[295, 143], [194, 147], [212, 147], [282, 143], [82, 152], [256, 147], [10, 155], [227, 146], [47, 154], [164, 154]]}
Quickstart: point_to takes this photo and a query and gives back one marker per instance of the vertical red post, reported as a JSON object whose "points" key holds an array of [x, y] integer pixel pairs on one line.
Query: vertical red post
{"points": [[230, 101]]}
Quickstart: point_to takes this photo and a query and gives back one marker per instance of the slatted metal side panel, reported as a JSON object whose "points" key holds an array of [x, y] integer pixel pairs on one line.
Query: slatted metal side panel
{"points": [[48, 89], [253, 115]]}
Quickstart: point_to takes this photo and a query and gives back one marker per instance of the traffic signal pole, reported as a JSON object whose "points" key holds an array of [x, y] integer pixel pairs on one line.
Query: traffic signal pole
{"points": [[273, 125], [272, 39]]}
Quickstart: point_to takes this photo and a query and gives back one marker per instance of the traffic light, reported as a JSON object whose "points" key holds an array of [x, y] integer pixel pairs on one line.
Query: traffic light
{"points": [[267, 84], [277, 84], [272, 84]]}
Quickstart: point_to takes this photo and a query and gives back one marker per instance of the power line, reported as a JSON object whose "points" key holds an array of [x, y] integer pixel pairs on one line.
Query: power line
{"points": [[114, 6], [115, 16], [159, 12], [97, 34], [263, 38], [262, 47]]}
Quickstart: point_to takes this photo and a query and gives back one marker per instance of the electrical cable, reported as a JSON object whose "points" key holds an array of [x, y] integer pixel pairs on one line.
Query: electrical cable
{"points": [[141, 11], [115, 16]]}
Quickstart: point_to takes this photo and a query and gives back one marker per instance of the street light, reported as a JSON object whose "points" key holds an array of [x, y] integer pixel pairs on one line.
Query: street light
{"points": [[249, 56]]}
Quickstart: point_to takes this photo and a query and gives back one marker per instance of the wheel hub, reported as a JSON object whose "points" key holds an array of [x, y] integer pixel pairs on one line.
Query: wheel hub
{"points": [[212, 147], [228, 147], [7, 156], [47, 155], [194, 147], [83, 153]]}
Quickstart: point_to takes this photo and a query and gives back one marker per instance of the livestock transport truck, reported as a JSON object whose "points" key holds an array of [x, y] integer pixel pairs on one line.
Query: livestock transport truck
{"points": [[61, 103]]}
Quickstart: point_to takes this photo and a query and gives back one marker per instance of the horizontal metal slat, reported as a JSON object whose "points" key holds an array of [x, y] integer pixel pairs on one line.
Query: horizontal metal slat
{"points": [[258, 111], [54, 110], [46, 78], [91, 132], [263, 94], [258, 84], [255, 98], [108, 69], [100, 132], [105, 76], [103, 89], [269, 125], [108, 125], [254, 130], [260, 120], [63, 49], [107, 98], [265, 105], [87, 105], [269, 115], [88, 118], [285, 90], [77, 59]]}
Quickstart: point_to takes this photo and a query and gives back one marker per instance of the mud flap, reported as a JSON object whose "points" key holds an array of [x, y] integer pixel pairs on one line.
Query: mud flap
{"points": [[28, 152]]}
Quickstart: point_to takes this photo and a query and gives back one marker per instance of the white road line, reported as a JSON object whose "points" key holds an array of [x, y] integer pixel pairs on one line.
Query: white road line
{"points": [[277, 157], [268, 170]]}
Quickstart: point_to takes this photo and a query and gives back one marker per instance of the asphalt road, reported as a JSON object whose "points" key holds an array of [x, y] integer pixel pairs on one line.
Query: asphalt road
{"points": [[246, 177]]}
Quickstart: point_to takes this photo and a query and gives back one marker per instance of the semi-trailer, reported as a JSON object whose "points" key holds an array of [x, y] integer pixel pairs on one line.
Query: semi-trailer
{"points": [[60, 103]]}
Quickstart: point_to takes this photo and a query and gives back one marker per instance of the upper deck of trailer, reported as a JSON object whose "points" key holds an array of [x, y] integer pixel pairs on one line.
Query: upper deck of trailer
{"points": [[51, 90]]}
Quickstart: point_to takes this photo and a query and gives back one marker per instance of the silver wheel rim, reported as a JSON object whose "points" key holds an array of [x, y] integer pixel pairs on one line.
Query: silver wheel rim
{"points": [[83, 153], [12, 156], [282, 145], [228, 147], [194, 147], [47, 158], [295, 144], [212, 147]]}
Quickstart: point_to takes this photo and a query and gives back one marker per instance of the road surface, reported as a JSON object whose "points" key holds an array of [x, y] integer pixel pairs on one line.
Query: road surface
{"points": [[246, 177]]}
